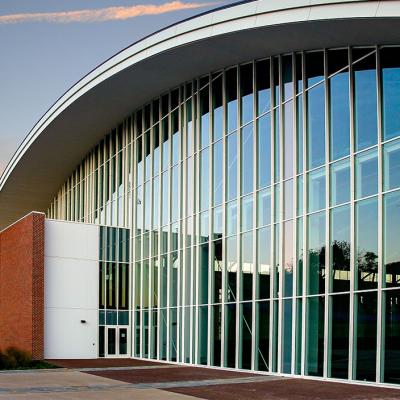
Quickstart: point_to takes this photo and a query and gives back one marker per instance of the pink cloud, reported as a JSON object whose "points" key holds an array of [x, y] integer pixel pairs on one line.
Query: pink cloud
{"points": [[102, 14]]}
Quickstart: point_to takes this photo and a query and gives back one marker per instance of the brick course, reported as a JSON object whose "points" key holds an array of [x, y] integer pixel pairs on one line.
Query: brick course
{"points": [[22, 285]]}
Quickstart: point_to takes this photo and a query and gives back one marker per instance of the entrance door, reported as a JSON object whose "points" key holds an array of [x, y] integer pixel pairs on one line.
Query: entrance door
{"points": [[117, 341]]}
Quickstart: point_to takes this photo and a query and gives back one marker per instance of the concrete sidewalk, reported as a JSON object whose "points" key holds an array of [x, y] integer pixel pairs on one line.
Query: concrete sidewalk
{"points": [[64, 384]]}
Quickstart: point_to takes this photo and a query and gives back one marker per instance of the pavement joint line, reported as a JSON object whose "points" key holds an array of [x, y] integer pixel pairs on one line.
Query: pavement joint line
{"points": [[124, 368], [154, 385], [206, 382], [33, 371]]}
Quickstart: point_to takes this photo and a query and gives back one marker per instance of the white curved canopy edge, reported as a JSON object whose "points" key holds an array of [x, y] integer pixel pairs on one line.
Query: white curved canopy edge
{"points": [[103, 98]]}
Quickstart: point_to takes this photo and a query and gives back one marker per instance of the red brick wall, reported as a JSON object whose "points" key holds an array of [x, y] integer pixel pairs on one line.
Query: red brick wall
{"points": [[22, 285]]}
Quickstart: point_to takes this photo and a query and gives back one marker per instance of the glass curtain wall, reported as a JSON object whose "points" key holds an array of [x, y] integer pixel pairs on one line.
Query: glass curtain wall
{"points": [[263, 203]]}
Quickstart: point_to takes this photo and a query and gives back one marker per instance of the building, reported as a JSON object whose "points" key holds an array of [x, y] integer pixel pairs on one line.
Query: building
{"points": [[231, 184]]}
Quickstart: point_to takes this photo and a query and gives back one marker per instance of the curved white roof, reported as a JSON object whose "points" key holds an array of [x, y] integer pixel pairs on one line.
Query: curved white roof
{"points": [[98, 102]]}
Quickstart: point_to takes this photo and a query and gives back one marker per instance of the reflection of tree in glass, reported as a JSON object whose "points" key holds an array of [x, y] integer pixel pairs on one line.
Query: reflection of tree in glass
{"points": [[367, 261], [341, 255], [317, 259]]}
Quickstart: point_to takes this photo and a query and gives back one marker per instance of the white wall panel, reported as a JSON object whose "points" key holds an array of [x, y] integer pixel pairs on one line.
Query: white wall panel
{"points": [[71, 290]]}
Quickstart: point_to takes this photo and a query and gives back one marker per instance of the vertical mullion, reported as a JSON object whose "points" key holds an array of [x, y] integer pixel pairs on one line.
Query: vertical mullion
{"points": [[272, 249], [150, 233], [280, 223], [193, 228], [169, 224], [210, 350], [254, 319], [294, 204], [142, 244], [197, 213], [353, 309], [380, 309], [224, 187], [132, 265], [181, 223], [327, 322], [238, 357], [160, 236], [132, 234], [305, 223], [183, 141]]}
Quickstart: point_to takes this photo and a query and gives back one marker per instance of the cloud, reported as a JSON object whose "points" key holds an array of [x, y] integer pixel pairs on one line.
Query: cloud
{"points": [[102, 14]]}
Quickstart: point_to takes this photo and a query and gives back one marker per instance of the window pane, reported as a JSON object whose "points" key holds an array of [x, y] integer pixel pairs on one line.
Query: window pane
{"points": [[288, 202], [217, 108], [217, 269], [340, 249], [232, 166], [300, 255], [365, 103], [367, 173], [204, 117], [314, 67], [247, 265], [231, 218], [217, 223], [204, 227], [264, 207], [316, 126], [247, 213], [316, 253], [231, 267], [288, 141], [231, 99], [299, 127], [337, 60], [230, 336], [263, 87], [264, 150], [367, 243], [287, 77], [366, 336], [299, 73], [391, 301], [217, 330], [264, 262], [391, 248], [316, 190], [175, 137], [175, 189], [262, 352], [300, 185], [339, 114], [246, 93], [315, 336], [340, 182], [390, 92], [217, 178], [391, 158], [288, 254], [203, 273], [287, 336], [339, 331], [205, 181], [277, 146], [247, 159]]}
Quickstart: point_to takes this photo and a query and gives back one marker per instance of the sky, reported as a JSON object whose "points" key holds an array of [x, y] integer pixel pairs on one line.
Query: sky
{"points": [[48, 45]]}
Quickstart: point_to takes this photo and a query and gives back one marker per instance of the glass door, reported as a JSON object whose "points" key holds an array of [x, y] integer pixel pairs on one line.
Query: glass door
{"points": [[117, 342]]}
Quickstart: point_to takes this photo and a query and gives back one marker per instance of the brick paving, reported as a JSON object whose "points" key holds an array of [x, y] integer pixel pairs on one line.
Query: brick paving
{"points": [[104, 363], [179, 374], [289, 389], [214, 384]]}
